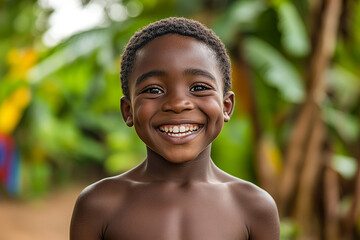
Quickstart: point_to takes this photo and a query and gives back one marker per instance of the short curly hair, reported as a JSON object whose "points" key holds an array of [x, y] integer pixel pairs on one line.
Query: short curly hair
{"points": [[180, 26]]}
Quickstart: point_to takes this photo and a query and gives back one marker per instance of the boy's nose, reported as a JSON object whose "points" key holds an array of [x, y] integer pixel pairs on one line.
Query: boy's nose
{"points": [[177, 103]]}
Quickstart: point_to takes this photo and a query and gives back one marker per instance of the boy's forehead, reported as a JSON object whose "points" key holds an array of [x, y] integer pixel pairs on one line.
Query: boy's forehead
{"points": [[172, 40], [174, 49]]}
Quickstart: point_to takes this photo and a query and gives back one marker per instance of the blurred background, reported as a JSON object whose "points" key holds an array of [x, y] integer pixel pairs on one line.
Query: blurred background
{"points": [[295, 131]]}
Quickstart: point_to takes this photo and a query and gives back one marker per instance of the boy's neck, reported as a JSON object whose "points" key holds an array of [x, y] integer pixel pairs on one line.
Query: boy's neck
{"points": [[200, 169]]}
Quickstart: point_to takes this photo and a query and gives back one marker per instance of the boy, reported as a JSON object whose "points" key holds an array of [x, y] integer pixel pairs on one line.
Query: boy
{"points": [[175, 77]]}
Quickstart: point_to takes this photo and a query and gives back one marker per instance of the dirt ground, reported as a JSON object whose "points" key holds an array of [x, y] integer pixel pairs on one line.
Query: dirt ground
{"points": [[48, 218]]}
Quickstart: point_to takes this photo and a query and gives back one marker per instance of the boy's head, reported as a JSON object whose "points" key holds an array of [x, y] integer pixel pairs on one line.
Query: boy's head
{"points": [[180, 26], [176, 80]]}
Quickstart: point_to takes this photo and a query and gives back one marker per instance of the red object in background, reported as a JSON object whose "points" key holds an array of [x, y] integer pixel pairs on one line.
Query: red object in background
{"points": [[9, 165]]}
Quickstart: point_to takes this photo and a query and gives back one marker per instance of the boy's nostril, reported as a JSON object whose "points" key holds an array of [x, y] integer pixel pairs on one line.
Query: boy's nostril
{"points": [[178, 105]]}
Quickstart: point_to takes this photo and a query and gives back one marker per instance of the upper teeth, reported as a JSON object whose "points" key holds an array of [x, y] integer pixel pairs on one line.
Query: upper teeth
{"points": [[182, 128]]}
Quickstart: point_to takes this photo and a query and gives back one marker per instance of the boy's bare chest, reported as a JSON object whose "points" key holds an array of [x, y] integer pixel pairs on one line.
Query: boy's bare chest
{"points": [[159, 214]]}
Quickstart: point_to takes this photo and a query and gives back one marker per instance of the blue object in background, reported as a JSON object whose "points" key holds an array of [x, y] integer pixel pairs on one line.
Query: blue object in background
{"points": [[9, 166]]}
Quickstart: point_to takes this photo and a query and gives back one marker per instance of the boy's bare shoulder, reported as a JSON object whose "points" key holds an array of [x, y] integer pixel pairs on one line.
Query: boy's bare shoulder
{"points": [[249, 194], [105, 193], [258, 207], [95, 205], [103, 198]]}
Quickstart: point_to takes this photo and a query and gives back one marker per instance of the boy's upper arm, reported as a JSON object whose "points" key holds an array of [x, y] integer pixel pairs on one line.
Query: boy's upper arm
{"points": [[264, 219], [87, 221]]}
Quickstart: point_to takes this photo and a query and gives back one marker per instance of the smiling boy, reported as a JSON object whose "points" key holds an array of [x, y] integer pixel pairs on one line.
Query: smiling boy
{"points": [[175, 77]]}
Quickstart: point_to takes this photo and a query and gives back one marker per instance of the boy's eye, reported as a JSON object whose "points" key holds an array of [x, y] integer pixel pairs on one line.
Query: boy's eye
{"points": [[152, 90], [198, 88]]}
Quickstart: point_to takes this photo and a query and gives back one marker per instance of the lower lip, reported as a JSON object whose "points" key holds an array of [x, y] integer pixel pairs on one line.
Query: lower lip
{"points": [[180, 139]]}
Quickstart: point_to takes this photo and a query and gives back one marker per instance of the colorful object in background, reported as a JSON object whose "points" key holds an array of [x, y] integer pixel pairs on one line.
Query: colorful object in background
{"points": [[12, 108], [9, 166], [20, 61]]}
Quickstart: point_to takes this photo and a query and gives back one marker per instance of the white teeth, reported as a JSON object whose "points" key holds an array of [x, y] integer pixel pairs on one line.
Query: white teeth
{"points": [[176, 129], [182, 129]]}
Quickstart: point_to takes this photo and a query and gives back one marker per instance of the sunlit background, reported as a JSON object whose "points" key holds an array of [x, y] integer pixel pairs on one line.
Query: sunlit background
{"points": [[295, 131]]}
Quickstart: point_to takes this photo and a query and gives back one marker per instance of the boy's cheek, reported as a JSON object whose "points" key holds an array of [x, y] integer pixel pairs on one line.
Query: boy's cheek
{"points": [[142, 118], [143, 112]]}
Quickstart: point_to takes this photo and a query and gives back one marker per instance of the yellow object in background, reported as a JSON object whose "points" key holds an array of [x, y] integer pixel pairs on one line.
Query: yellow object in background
{"points": [[21, 97], [20, 61], [12, 108]]}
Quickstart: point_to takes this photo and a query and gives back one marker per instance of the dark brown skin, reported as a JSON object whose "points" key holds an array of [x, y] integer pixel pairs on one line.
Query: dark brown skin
{"points": [[177, 193]]}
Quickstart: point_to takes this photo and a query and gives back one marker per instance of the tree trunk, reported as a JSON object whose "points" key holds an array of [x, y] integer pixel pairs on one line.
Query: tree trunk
{"points": [[304, 158]]}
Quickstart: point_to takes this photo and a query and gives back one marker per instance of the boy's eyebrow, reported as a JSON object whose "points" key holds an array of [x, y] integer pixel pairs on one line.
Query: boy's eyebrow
{"points": [[146, 75], [196, 71], [190, 71]]}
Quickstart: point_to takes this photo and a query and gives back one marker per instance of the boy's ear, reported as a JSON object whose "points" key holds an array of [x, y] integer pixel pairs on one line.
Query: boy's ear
{"points": [[229, 103], [125, 106]]}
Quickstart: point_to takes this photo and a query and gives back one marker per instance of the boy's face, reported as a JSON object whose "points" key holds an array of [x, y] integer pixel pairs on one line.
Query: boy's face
{"points": [[176, 100]]}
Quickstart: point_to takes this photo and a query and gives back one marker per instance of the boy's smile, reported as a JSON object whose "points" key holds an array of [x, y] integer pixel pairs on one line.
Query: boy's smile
{"points": [[176, 104], [179, 130]]}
